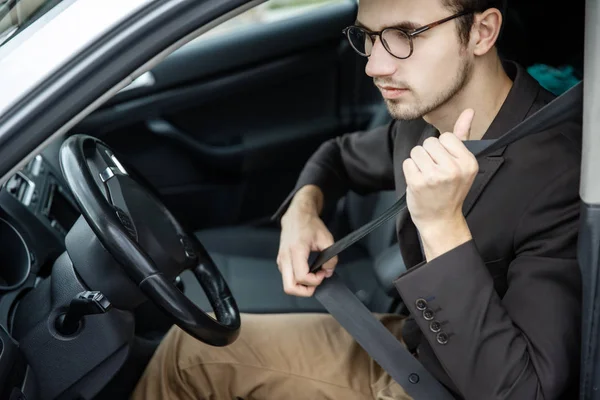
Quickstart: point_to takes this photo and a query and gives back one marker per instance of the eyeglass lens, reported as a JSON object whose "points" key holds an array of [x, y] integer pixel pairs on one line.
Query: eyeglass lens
{"points": [[395, 41]]}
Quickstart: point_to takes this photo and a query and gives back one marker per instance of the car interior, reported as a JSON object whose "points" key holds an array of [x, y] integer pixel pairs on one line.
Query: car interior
{"points": [[220, 131]]}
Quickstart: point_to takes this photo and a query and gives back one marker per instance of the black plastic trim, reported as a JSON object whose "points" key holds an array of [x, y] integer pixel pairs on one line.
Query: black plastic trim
{"points": [[261, 42], [230, 158], [589, 263]]}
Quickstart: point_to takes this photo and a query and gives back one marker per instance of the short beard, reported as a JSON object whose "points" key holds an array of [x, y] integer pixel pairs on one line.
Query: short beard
{"points": [[417, 110]]}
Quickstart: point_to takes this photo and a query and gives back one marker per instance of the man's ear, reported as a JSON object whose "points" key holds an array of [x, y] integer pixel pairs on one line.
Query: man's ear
{"points": [[485, 30]]}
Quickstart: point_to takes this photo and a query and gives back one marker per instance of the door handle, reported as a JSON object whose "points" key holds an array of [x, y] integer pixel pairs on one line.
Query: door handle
{"points": [[228, 157]]}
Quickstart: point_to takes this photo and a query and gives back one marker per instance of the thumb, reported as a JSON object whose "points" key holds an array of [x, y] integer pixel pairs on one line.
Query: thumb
{"points": [[325, 240], [462, 127]]}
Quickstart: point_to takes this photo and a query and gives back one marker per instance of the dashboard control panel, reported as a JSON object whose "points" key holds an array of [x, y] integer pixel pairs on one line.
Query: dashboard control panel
{"points": [[38, 188]]}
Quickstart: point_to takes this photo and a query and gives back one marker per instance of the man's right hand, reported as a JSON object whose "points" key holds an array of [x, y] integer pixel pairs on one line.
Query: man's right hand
{"points": [[303, 231]]}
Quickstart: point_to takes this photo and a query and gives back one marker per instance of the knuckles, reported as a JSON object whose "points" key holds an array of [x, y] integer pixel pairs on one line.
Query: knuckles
{"points": [[472, 165], [288, 290], [416, 151], [454, 173], [462, 168], [430, 140], [448, 138]]}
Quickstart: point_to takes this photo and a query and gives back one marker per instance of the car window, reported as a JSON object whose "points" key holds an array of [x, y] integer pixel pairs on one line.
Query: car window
{"points": [[270, 11], [16, 14]]}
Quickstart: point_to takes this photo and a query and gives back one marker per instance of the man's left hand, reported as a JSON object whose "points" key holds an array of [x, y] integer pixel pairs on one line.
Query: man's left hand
{"points": [[439, 174]]}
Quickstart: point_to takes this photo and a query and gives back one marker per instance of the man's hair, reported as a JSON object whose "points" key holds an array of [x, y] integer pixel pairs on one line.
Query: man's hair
{"points": [[466, 22]]}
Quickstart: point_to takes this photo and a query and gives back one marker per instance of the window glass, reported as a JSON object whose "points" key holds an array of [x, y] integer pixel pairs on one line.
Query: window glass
{"points": [[16, 14], [270, 11]]}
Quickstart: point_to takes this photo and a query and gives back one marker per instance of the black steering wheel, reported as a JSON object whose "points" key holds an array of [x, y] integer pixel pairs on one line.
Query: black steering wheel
{"points": [[146, 240]]}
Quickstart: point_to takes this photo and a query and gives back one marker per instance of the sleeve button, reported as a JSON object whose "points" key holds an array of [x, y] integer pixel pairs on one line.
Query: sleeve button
{"points": [[442, 338], [435, 326], [428, 314], [413, 378], [421, 304]]}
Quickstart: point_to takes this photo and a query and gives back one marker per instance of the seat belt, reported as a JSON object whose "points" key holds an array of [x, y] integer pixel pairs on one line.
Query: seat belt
{"points": [[358, 320]]}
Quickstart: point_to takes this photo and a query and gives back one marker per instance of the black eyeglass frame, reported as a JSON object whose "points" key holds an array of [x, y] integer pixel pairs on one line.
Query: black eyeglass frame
{"points": [[410, 34]]}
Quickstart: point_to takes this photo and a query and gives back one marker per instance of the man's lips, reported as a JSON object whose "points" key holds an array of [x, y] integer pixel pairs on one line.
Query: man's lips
{"points": [[390, 92]]}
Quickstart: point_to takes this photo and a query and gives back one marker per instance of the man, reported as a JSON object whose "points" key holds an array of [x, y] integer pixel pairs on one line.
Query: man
{"points": [[493, 285]]}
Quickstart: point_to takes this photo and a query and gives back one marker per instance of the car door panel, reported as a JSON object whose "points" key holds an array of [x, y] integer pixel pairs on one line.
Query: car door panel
{"points": [[223, 126]]}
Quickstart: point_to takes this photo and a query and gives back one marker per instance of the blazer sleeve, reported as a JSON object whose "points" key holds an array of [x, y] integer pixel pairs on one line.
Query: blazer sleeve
{"points": [[525, 345], [359, 161]]}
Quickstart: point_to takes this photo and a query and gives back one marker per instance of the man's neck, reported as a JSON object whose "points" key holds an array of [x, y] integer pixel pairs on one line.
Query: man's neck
{"points": [[485, 92]]}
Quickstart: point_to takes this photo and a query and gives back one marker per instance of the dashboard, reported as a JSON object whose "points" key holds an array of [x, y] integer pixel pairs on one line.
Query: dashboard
{"points": [[39, 190], [40, 282], [36, 212]]}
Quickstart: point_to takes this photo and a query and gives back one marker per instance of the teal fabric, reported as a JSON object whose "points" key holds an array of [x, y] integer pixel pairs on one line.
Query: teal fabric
{"points": [[555, 80]]}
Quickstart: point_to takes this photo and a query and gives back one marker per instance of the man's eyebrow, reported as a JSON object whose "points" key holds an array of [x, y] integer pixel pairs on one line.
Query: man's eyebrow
{"points": [[405, 25]]}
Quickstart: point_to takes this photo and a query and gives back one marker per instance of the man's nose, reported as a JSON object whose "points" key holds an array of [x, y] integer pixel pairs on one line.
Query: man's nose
{"points": [[381, 63]]}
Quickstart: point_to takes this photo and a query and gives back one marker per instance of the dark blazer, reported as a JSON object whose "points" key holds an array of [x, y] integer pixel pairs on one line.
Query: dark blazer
{"points": [[497, 317]]}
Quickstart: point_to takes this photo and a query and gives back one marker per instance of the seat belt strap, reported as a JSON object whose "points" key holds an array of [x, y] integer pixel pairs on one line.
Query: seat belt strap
{"points": [[381, 345], [356, 318]]}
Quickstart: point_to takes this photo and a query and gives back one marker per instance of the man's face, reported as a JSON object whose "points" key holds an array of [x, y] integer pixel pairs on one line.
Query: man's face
{"points": [[438, 68]]}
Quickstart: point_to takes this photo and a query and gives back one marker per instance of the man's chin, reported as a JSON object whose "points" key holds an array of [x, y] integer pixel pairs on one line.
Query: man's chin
{"points": [[403, 112]]}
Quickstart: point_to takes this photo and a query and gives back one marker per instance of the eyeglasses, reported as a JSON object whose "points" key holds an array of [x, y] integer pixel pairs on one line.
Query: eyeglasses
{"points": [[398, 42]]}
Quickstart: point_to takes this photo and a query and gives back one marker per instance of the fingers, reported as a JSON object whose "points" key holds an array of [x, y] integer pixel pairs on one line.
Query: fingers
{"points": [[324, 240], [453, 141], [298, 238], [462, 127], [411, 171], [437, 152], [290, 286], [294, 268], [434, 152], [456, 148], [329, 267], [299, 257], [422, 160]]}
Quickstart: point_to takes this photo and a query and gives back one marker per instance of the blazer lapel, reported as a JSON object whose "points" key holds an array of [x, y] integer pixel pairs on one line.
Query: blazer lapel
{"points": [[488, 166], [515, 108]]}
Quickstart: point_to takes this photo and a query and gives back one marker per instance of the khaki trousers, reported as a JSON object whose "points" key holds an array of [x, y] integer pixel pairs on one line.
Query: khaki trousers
{"points": [[277, 356]]}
